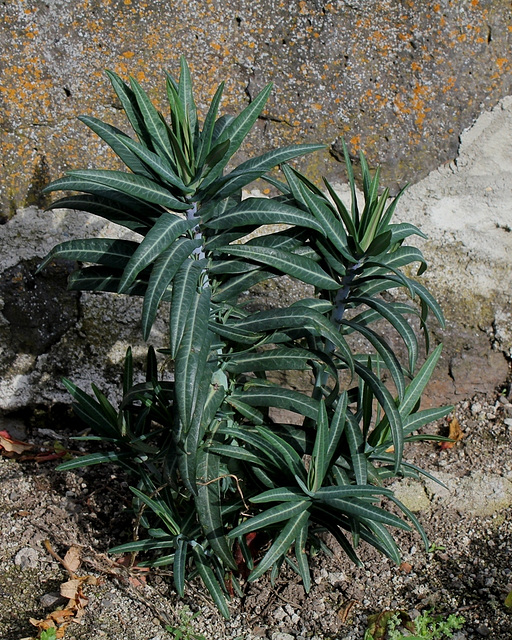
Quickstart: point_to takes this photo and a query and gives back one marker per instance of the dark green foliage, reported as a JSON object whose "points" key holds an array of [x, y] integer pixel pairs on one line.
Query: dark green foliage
{"points": [[209, 463]]}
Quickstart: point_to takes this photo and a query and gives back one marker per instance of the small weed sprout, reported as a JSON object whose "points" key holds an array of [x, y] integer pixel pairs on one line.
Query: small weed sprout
{"points": [[185, 628]]}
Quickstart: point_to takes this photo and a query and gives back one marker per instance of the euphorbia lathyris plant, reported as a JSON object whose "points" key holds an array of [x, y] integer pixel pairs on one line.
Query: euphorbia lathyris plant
{"points": [[210, 464]]}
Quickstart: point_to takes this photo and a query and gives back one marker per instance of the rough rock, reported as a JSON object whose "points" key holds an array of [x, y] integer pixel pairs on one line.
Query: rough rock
{"points": [[398, 79], [46, 332], [477, 494]]}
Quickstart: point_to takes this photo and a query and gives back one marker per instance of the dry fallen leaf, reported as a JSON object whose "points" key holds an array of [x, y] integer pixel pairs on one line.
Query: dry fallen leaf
{"points": [[406, 567], [10, 445], [72, 558], [72, 590], [137, 579], [345, 610], [377, 624], [455, 434]]}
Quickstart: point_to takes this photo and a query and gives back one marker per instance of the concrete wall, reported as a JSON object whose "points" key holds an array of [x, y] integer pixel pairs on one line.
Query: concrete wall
{"points": [[400, 79]]}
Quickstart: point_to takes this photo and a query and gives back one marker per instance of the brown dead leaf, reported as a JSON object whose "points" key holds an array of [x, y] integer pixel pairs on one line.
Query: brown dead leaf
{"points": [[137, 577], [406, 567], [72, 558], [377, 623], [345, 610], [10, 445], [71, 588], [455, 433]]}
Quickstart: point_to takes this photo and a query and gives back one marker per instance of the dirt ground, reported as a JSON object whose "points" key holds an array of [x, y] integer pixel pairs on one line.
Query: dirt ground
{"points": [[468, 570]]}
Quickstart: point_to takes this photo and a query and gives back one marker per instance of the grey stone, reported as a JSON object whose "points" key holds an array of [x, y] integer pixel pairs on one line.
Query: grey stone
{"points": [[478, 494], [412, 494], [27, 558], [400, 80]]}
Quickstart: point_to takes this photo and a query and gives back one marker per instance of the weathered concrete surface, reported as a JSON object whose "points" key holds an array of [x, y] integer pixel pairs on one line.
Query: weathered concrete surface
{"points": [[465, 208], [477, 494], [399, 79]]}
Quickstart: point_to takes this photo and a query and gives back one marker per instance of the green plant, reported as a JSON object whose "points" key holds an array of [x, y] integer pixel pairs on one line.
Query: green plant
{"points": [[185, 628], [426, 626], [48, 634], [217, 478]]}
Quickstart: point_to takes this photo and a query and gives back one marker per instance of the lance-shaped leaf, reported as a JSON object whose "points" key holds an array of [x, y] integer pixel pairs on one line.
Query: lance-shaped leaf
{"points": [[121, 210], [165, 231], [385, 352], [283, 494], [418, 419], [105, 279], [159, 165], [281, 358], [114, 137], [208, 501], [91, 412], [389, 545], [186, 95], [387, 403], [301, 556], [333, 228], [153, 121], [403, 230], [209, 579], [179, 565], [260, 211], [297, 317], [274, 515], [255, 167], [109, 457], [164, 270], [184, 287], [236, 131], [160, 508], [192, 355], [208, 126], [106, 251], [398, 258], [425, 295], [356, 445], [207, 400], [284, 451], [291, 264], [397, 321], [365, 511], [336, 429], [233, 287], [351, 491], [274, 396], [317, 466], [291, 531], [129, 183], [130, 107], [416, 387]]}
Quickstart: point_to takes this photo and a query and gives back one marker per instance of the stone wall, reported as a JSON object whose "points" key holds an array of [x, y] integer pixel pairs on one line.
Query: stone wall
{"points": [[399, 79]]}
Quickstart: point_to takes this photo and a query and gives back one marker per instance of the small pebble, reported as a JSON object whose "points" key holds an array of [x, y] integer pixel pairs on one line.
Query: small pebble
{"points": [[50, 600], [27, 558], [482, 630]]}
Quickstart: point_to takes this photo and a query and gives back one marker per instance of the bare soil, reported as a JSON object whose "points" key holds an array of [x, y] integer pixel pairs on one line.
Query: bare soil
{"points": [[468, 571]]}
